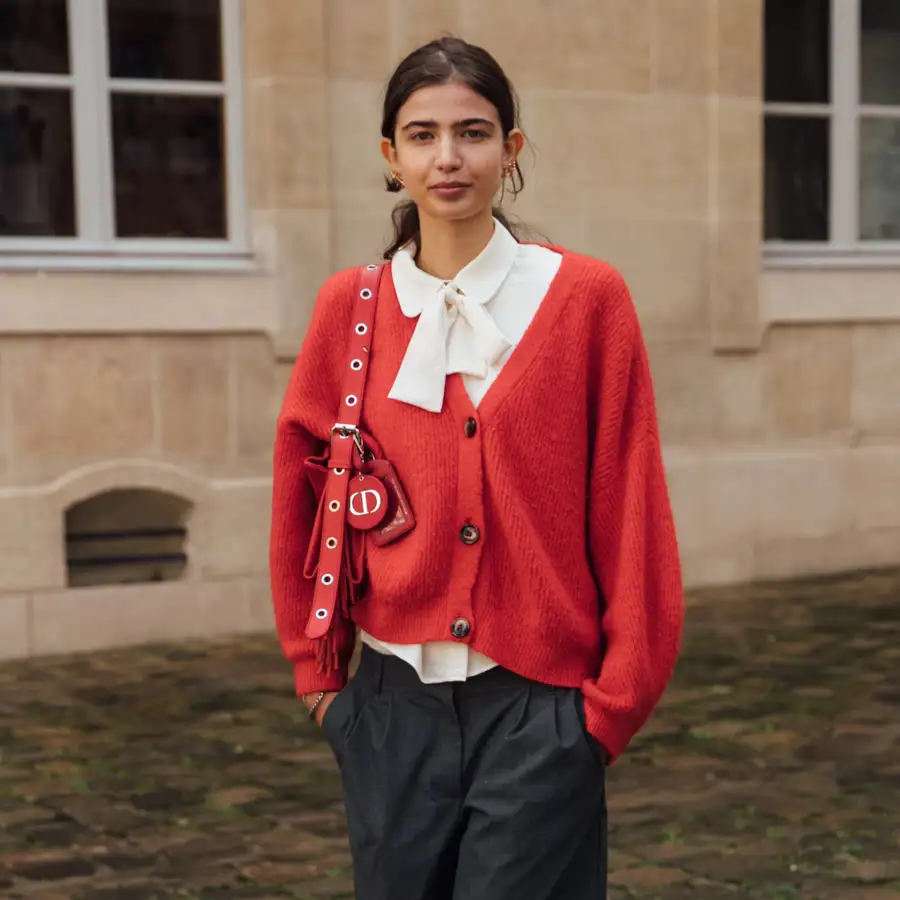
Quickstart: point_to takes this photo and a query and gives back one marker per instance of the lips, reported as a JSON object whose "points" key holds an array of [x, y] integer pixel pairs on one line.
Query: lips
{"points": [[449, 189]]}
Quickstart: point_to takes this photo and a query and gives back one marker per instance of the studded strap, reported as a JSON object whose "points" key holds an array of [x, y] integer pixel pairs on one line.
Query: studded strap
{"points": [[345, 437]]}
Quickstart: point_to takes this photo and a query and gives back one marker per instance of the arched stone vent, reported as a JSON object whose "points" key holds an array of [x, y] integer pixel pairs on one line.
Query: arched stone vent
{"points": [[127, 536]]}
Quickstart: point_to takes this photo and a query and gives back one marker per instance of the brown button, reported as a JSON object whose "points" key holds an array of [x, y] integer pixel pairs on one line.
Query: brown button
{"points": [[470, 535], [460, 628], [471, 428]]}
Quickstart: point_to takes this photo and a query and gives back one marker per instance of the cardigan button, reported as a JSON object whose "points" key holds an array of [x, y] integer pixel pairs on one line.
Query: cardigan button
{"points": [[470, 535], [471, 428], [460, 628]]}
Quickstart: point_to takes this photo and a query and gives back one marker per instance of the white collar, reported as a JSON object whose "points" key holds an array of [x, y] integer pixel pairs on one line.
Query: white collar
{"points": [[454, 332]]}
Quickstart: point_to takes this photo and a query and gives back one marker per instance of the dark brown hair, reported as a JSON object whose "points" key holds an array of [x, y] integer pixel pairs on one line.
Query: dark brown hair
{"points": [[445, 60]]}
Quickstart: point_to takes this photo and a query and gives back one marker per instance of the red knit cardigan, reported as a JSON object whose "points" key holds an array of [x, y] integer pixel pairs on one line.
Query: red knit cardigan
{"points": [[575, 578]]}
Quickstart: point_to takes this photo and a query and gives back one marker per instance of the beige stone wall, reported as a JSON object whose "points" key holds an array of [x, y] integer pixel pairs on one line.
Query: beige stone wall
{"points": [[781, 431]]}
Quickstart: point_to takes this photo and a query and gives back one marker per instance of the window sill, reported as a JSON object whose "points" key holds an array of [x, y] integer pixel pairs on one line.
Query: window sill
{"points": [[12, 260], [817, 257], [830, 293], [136, 293]]}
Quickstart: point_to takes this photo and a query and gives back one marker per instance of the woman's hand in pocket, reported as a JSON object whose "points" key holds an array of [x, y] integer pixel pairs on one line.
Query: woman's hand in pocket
{"points": [[309, 699]]}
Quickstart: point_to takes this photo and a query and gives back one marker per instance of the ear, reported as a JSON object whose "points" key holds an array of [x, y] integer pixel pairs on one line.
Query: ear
{"points": [[513, 145], [389, 152]]}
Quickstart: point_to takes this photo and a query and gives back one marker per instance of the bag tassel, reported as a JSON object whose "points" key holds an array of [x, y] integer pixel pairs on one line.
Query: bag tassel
{"points": [[328, 648]]}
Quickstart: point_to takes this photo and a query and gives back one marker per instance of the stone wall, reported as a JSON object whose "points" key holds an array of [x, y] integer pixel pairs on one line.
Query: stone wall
{"points": [[781, 430]]}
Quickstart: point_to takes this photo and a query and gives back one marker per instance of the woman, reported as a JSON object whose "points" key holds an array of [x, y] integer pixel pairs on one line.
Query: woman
{"points": [[520, 634]]}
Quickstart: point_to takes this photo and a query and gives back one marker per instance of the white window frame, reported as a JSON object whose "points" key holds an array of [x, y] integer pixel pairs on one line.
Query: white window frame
{"points": [[844, 248], [91, 87]]}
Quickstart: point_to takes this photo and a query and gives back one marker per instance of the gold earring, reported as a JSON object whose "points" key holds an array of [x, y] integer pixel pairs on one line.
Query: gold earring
{"points": [[396, 180], [509, 170]]}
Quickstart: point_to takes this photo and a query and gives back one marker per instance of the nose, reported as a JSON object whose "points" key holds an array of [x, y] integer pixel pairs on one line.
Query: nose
{"points": [[448, 159]]}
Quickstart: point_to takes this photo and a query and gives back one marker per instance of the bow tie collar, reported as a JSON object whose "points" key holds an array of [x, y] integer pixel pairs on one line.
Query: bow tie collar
{"points": [[455, 333]]}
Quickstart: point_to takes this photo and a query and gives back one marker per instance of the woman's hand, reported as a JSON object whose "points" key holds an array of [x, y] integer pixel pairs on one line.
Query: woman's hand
{"points": [[310, 699]]}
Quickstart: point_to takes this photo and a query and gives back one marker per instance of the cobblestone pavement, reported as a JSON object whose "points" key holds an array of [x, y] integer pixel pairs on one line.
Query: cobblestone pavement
{"points": [[772, 769]]}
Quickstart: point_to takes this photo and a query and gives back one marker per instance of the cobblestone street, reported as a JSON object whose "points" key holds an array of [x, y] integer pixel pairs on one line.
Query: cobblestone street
{"points": [[771, 771]]}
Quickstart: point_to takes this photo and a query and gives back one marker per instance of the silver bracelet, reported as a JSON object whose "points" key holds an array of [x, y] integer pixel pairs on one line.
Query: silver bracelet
{"points": [[318, 701]]}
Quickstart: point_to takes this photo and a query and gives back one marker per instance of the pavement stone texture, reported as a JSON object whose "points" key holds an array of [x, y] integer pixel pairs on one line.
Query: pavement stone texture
{"points": [[770, 771]]}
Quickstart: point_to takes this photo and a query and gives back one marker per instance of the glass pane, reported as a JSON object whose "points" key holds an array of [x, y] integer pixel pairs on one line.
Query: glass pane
{"points": [[37, 188], [169, 155], [879, 181], [34, 36], [175, 40], [796, 179], [798, 42], [880, 52]]}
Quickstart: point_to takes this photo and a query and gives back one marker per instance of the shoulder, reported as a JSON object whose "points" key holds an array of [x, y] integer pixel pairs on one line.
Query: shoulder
{"points": [[603, 292]]}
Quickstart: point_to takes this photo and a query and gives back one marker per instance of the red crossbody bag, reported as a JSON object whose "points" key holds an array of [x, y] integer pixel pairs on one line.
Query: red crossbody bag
{"points": [[359, 492]]}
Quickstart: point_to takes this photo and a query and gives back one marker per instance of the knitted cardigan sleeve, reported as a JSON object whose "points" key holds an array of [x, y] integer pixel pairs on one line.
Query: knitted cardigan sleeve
{"points": [[632, 539], [304, 426]]}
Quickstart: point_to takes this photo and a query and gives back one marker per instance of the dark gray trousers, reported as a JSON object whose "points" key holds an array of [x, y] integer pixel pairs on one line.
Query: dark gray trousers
{"points": [[488, 789]]}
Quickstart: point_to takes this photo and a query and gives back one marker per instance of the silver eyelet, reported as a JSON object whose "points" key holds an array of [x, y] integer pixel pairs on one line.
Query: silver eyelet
{"points": [[351, 400], [362, 328], [335, 505], [339, 471], [327, 580], [366, 294], [331, 543], [371, 267], [322, 613], [356, 365]]}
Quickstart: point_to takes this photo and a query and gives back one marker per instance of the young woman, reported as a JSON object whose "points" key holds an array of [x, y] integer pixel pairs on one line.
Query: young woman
{"points": [[516, 639]]}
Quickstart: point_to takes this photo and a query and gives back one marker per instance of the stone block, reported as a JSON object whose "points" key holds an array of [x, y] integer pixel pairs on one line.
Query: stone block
{"points": [[741, 412], [257, 398], [876, 379], [738, 150], [86, 619], [740, 56], [15, 626], [683, 46], [359, 39], [32, 541], [682, 381], [193, 396], [579, 45], [417, 22], [810, 379], [284, 38], [735, 315], [621, 157], [75, 398], [288, 144], [666, 267]]}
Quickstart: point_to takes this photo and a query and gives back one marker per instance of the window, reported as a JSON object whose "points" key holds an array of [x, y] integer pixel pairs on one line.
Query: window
{"points": [[832, 127], [127, 536], [120, 127]]}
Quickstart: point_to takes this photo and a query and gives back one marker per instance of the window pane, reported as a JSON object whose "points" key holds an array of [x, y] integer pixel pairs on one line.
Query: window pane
{"points": [[37, 189], [798, 51], [169, 166], [880, 52], [879, 188], [34, 36], [796, 179], [176, 40]]}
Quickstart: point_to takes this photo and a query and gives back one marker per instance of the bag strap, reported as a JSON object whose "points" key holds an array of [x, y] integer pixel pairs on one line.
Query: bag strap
{"points": [[345, 438]]}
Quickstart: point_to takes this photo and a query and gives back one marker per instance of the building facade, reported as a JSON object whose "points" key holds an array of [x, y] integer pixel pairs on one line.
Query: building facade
{"points": [[177, 179]]}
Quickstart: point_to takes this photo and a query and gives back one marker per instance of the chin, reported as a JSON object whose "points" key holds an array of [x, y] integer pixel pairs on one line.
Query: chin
{"points": [[450, 211]]}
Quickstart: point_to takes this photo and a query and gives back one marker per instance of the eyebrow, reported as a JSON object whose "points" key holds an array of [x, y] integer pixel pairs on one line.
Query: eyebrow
{"points": [[463, 123]]}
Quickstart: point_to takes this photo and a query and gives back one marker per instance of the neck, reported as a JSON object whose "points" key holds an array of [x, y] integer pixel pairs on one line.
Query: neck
{"points": [[445, 248]]}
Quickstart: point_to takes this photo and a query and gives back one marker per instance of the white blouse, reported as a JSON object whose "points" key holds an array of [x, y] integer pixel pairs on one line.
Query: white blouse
{"points": [[469, 325]]}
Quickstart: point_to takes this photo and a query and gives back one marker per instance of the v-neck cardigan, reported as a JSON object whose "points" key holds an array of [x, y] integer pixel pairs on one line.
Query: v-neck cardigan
{"points": [[573, 578]]}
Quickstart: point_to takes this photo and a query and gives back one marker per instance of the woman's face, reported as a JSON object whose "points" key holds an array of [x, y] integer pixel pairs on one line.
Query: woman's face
{"points": [[450, 152]]}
